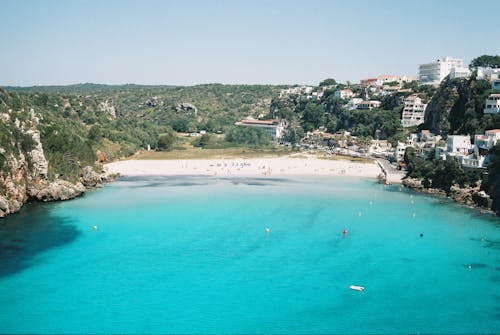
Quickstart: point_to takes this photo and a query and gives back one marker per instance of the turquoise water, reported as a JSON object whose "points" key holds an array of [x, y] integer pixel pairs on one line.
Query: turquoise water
{"points": [[190, 255]]}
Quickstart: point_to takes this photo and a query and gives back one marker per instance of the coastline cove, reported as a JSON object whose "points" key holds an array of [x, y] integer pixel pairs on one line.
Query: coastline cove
{"points": [[186, 254]]}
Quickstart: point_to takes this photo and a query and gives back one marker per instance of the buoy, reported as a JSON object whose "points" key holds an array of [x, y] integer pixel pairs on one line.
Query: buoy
{"points": [[421, 235], [268, 230], [414, 215], [470, 267], [344, 231], [94, 228], [359, 214]]}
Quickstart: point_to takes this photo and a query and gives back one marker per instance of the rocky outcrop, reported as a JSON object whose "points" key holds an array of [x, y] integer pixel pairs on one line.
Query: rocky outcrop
{"points": [[186, 107], [13, 183], [39, 163], [413, 183], [90, 178], [57, 190], [107, 108], [24, 173], [469, 195], [438, 110]]}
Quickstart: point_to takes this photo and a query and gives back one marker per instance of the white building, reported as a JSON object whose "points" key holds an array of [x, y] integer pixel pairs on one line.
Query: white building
{"points": [[399, 151], [492, 104], [433, 73], [369, 104], [482, 145], [274, 127], [458, 145], [387, 78], [487, 73], [344, 94], [413, 111], [296, 91], [459, 72], [353, 103]]}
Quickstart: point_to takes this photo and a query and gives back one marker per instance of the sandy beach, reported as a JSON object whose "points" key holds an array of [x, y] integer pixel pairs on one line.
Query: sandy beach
{"points": [[254, 167]]}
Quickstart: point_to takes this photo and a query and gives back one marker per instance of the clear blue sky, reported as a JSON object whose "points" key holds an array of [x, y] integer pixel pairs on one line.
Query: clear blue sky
{"points": [[188, 42]]}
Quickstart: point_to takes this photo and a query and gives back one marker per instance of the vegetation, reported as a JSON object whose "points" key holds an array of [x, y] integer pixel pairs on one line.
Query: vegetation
{"points": [[485, 60], [458, 108], [492, 182], [77, 121], [438, 174], [248, 136]]}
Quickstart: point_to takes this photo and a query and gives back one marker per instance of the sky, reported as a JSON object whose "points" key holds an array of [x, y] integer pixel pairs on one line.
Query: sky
{"points": [[187, 42]]}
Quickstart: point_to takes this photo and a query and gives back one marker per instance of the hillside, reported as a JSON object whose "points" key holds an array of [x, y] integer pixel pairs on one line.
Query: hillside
{"points": [[60, 134]]}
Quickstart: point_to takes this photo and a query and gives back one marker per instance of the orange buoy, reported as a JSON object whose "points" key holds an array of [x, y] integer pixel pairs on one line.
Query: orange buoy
{"points": [[344, 231]]}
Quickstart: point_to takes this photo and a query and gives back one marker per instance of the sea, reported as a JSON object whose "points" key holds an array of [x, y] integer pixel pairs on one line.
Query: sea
{"points": [[205, 255]]}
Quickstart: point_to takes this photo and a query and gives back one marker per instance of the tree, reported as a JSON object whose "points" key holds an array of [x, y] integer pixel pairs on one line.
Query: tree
{"points": [[485, 60], [313, 116], [95, 133], [492, 182], [166, 142], [328, 82], [447, 173], [203, 141], [248, 135], [294, 134]]}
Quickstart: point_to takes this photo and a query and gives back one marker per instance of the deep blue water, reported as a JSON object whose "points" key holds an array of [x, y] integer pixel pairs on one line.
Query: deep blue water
{"points": [[191, 255]]}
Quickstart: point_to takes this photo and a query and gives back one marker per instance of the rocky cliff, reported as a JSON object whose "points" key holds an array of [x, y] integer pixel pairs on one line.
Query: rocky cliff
{"points": [[457, 108], [24, 167]]}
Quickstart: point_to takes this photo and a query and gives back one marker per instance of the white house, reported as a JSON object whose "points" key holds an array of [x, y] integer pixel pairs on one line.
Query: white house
{"points": [[369, 104], [274, 127], [344, 94], [433, 73], [482, 145], [387, 78], [413, 111], [458, 145], [300, 90], [492, 104], [459, 72], [399, 151], [353, 103], [487, 73]]}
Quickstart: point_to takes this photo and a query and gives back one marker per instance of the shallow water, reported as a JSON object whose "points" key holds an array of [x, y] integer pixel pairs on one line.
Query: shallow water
{"points": [[191, 255]]}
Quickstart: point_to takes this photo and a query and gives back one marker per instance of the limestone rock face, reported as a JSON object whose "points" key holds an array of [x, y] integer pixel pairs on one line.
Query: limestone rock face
{"points": [[462, 195], [413, 183], [186, 107], [107, 108], [4, 207], [57, 190], [90, 178], [40, 164]]}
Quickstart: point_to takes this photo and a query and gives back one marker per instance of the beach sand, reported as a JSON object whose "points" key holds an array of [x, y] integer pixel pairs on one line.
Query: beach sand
{"points": [[254, 167]]}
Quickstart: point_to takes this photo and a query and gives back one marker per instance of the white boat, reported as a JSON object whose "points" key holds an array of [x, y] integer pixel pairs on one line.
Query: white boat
{"points": [[356, 287]]}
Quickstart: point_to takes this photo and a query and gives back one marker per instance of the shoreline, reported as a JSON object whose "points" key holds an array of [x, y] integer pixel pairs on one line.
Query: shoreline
{"points": [[246, 167]]}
